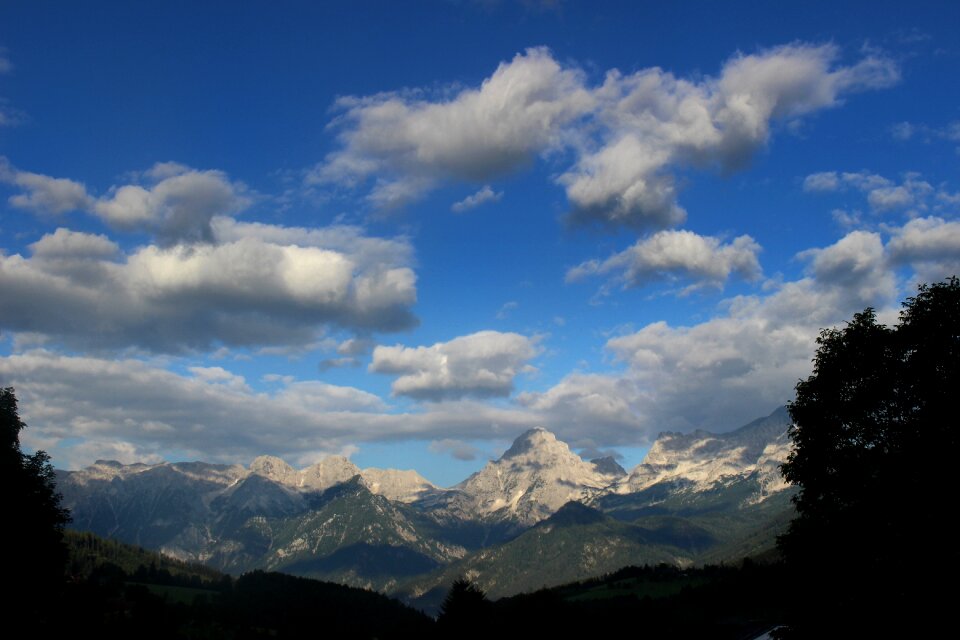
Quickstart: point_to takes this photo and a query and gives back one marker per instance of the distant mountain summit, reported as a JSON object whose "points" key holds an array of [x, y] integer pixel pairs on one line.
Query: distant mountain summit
{"points": [[536, 476], [537, 515], [700, 459], [393, 484]]}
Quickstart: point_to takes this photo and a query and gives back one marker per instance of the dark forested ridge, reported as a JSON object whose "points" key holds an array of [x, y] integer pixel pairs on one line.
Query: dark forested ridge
{"points": [[118, 590]]}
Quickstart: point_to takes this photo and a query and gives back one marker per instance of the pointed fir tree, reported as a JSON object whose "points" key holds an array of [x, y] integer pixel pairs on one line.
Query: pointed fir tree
{"points": [[33, 519]]}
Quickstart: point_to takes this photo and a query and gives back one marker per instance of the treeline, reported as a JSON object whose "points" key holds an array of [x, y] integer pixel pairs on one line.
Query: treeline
{"points": [[658, 602], [120, 591], [89, 553], [117, 590]]}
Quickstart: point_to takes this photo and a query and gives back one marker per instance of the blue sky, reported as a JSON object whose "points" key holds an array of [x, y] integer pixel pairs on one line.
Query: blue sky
{"points": [[408, 234]]}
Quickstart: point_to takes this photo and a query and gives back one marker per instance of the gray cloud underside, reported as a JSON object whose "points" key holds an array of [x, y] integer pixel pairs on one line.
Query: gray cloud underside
{"points": [[133, 406], [243, 290]]}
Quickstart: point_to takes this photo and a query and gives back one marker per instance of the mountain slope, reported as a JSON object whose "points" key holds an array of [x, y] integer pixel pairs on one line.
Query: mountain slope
{"points": [[575, 542], [701, 458], [354, 538], [696, 497], [536, 476]]}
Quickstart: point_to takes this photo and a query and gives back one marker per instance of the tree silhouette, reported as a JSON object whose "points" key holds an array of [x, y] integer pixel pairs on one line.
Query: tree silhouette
{"points": [[33, 517], [875, 441], [465, 612]]}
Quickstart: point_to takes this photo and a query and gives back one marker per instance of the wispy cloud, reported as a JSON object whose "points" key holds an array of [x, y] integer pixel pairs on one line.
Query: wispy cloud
{"points": [[485, 195]]}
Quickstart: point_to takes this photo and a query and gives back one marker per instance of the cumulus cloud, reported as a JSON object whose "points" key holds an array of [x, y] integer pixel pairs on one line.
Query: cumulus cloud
{"points": [[243, 290], [482, 364], [44, 194], [411, 142], [83, 408], [883, 195], [823, 181], [66, 244], [486, 194], [857, 264], [655, 122], [610, 404], [177, 203], [630, 134], [677, 255], [930, 245], [729, 369]]}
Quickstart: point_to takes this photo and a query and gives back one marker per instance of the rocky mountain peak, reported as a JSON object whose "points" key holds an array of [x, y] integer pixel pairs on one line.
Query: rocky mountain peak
{"points": [[701, 458], [608, 465], [536, 476], [274, 468], [535, 439], [398, 485], [328, 472]]}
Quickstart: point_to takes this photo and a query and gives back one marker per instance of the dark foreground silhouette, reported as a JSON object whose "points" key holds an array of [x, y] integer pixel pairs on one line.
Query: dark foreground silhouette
{"points": [[116, 590]]}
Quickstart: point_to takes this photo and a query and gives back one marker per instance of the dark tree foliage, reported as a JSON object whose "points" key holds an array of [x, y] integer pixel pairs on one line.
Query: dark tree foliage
{"points": [[465, 612], [875, 446], [33, 517]]}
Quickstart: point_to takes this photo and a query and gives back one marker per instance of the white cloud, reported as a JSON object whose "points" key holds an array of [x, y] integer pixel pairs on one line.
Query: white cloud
{"points": [[482, 364], [677, 255], [729, 369], [410, 142], [654, 122], [486, 194], [321, 397], [630, 134], [64, 243], [245, 290], [883, 195], [84, 408], [5, 65], [219, 375], [177, 203], [930, 245], [609, 404], [857, 263], [823, 181], [44, 194], [178, 207], [717, 374]]}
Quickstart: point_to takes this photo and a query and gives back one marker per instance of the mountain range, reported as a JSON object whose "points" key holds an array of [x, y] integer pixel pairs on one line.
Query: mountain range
{"points": [[539, 515]]}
